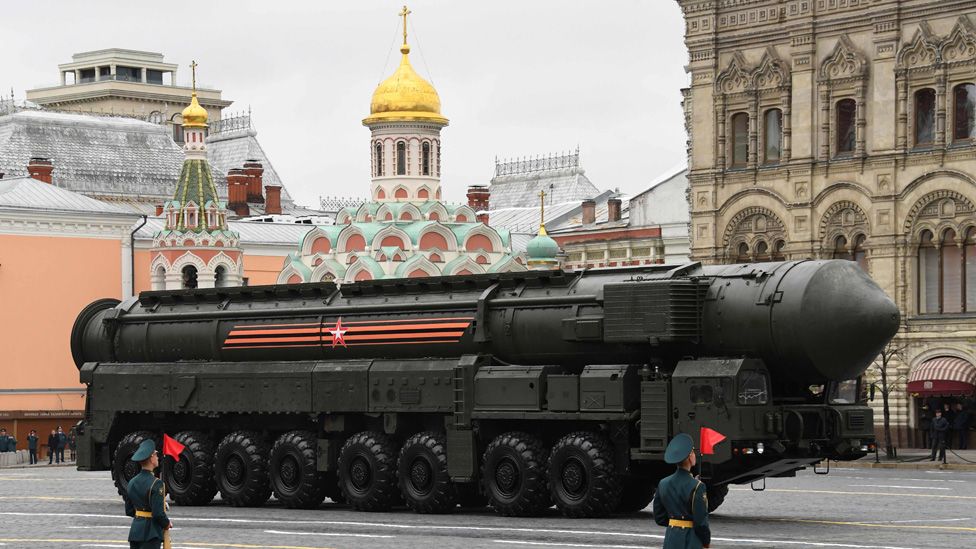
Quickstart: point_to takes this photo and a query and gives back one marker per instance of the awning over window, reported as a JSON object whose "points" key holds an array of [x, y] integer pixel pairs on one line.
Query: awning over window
{"points": [[943, 375]]}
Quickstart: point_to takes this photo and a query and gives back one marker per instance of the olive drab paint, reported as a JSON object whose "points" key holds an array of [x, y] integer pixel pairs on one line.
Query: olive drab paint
{"points": [[629, 357]]}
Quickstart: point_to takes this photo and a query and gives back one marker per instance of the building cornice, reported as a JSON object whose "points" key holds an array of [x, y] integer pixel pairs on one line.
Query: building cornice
{"points": [[33, 222]]}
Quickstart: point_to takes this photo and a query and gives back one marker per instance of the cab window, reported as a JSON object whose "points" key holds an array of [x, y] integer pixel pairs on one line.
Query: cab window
{"points": [[702, 394], [753, 388], [844, 392]]}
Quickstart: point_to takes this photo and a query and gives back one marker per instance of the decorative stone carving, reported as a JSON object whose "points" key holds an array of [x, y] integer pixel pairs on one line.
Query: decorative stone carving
{"points": [[844, 217], [735, 78], [938, 205], [771, 72], [751, 221], [844, 62], [921, 51], [960, 45]]}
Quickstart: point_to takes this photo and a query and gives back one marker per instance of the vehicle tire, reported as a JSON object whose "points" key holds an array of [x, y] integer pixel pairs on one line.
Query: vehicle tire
{"points": [[422, 470], [241, 468], [635, 495], [469, 495], [583, 479], [716, 495], [513, 473], [190, 481], [295, 479], [123, 468], [367, 472]]}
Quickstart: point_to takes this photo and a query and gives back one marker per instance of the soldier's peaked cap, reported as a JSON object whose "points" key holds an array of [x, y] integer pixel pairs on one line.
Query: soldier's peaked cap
{"points": [[146, 448], [679, 448]]}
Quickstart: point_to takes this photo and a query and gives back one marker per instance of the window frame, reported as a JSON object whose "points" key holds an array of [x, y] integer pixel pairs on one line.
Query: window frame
{"points": [[401, 157], [852, 127], [734, 163], [971, 137], [933, 109], [765, 137]]}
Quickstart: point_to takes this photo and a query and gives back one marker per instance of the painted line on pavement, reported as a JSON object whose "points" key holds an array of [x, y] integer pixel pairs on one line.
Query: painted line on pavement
{"points": [[880, 525], [750, 542], [908, 479], [185, 544], [349, 534], [102, 527], [923, 520], [58, 498], [839, 492], [553, 544], [898, 486]]}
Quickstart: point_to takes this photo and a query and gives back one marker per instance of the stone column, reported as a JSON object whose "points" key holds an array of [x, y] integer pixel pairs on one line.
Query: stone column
{"points": [[753, 132], [902, 130], [860, 129], [720, 124], [824, 122], [787, 128], [940, 110]]}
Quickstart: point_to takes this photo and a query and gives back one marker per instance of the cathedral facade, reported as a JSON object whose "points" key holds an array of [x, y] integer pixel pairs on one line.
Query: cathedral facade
{"points": [[845, 129], [404, 230]]}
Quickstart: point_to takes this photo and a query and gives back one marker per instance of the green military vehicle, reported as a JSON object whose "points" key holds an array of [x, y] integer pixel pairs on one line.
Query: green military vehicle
{"points": [[519, 390]]}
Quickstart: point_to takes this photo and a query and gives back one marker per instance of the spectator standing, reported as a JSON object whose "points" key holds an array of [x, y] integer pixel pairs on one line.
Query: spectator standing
{"points": [[925, 425], [32, 446], [949, 416], [52, 446], [940, 428], [7, 442], [61, 443], [72, 444], [960, 425]]}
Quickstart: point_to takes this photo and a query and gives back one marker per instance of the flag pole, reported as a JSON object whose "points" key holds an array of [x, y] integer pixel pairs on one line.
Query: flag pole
{"points": [[167, 544]]}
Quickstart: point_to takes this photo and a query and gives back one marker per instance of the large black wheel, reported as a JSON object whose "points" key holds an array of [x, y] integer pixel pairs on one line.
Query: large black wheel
{"points": [[636, 494], [367, 471], [583, 480], [123, 468], [513, 471], [422, 469], [295, 478], [242, 469], [716, 495], [190, 481]]}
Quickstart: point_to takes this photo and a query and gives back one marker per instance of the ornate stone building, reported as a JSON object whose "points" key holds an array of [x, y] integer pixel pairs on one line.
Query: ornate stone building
{"points": [[404, 230], [845, 129]]}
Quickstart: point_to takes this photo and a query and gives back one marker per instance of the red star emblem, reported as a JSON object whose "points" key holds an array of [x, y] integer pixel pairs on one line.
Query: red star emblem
{"points": [[338, 334]]}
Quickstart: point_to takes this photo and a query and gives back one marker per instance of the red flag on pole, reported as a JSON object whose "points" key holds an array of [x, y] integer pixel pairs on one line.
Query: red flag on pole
{"points": [[172, 447], [709, 438]]}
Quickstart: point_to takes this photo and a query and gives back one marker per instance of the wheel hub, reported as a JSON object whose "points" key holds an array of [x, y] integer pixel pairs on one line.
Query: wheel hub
{"points": [[360, 473], [420, 475], [507, 477], [574, 477], [234, 471], [289, 471], [181, 472], [130, 469]]}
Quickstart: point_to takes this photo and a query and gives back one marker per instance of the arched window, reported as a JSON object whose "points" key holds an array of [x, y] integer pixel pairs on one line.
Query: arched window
{"points": [[840, 248], [159, 278], [379, 159], [328, 277], [220, 277], [742, 253], [779, 253], [740, 139], [773, 136], [952, 274], [423, 193], [762, 251], [859, 254], [928, 274], [401, 158], [964, 120], [846, 111], [925, 117], [425, 158], [969, 282], [190, 276]]}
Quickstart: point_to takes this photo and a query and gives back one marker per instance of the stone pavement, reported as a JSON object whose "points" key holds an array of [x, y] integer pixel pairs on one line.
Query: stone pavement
{"points": [[916, 459]]}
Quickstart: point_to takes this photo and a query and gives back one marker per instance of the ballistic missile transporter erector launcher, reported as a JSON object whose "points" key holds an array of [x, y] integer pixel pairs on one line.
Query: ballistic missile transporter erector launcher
{"points": [[521, 390]]}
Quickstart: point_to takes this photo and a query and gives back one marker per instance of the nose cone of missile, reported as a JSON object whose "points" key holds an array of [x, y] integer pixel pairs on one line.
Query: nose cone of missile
{"points": [[848, 319]]}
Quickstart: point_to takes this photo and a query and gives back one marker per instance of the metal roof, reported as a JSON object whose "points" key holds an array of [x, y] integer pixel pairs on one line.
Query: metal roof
{"points": [[251, 232], [28, 193], [561, 185]]}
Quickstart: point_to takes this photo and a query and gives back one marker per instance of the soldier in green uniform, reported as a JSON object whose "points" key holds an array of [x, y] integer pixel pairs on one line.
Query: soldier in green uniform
{"points": [[145, 501], [680, 503]]}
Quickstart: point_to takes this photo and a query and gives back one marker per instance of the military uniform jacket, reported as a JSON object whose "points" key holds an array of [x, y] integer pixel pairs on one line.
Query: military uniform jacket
{"points": [[145, 493], [681, 496]]}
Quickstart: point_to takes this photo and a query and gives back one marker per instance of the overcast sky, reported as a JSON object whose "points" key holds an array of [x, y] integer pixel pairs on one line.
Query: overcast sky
{"points": [[515, 77]]}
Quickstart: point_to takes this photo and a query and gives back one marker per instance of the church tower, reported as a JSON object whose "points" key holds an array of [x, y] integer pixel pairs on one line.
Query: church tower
{"points": [[195, 248], [405, 122]]}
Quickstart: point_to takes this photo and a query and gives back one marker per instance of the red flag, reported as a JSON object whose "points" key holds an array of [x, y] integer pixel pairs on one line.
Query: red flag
{"points": [[172, 447], [709, 438]]}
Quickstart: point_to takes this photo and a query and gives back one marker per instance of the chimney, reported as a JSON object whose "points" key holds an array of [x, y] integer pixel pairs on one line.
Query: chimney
{"points": [[159, 210], [478, 196], [40, 169], [589, 212], [272, 200], [238, 184], [613, 209], [255, 172]]}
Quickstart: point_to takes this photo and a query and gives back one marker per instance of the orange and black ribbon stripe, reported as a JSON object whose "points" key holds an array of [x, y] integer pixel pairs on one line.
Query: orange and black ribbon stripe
{"points": [[370, 332]]}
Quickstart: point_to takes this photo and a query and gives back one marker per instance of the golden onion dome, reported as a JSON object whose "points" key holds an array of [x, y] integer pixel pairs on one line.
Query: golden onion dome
{"points": [[194, 116], [405, 96]]}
